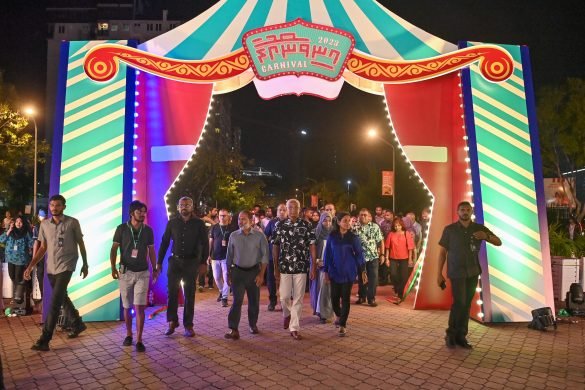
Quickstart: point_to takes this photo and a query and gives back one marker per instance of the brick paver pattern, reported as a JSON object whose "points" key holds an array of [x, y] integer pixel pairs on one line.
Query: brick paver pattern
{"points": [[386, 347]]}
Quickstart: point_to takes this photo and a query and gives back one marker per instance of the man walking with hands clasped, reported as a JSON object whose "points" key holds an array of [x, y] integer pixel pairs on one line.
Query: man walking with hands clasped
{"points": [[135, 240], [247, 257]]}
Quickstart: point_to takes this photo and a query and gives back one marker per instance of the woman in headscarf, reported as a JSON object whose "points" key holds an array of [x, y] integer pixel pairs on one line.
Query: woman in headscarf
{"points": [[321, 233], [18, 242]]}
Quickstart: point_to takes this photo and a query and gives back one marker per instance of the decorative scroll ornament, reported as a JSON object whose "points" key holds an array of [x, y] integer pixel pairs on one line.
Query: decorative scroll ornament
{"points": [[102, 64], [495, 64]]}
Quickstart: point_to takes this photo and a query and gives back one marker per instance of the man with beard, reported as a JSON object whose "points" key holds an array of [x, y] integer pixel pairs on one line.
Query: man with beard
{"points": [[60, 237], [460, 244], [247, 257], [189, 251], [136, 242]]}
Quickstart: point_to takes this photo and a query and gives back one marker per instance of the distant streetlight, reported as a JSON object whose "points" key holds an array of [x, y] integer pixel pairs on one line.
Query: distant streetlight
{"points": [[30, 112], [304, 132], [373, 134], [303, 194], [348, 184]]}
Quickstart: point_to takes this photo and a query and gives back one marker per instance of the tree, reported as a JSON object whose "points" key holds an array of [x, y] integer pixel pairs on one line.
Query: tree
{"points": [[16, 149], [561, 119]]}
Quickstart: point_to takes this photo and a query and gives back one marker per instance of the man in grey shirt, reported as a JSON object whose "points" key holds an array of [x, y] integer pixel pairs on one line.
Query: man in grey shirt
{"points": [[247, 257], [59, 237]]}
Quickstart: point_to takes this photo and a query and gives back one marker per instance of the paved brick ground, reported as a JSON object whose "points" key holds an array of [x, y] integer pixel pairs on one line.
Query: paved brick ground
{"points": [[386, 347]]}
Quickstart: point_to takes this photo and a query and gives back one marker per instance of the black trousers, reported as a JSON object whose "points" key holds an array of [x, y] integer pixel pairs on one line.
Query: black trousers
{"points": [[181, 270], [209, 275], [16, 273], [244, 282], [341, 292], [271, 282], [399, 271], [59, 298], [383, 275], [369, 290], [463, 291]]}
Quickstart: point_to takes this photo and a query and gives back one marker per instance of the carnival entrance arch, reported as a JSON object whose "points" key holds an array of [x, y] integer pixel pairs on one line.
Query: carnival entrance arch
{"points": [[131, 119]]}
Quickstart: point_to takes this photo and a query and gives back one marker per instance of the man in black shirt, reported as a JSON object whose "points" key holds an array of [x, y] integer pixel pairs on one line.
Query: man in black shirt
{"points": [[460, 244], [219, 235], [190, 249], [136, 242]]}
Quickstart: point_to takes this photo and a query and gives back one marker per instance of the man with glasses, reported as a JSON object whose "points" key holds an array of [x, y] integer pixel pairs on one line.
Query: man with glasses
{"points": [[190, 248], [219, 235], [281, 215], [136, 242], [373, 245], [293, 239]]}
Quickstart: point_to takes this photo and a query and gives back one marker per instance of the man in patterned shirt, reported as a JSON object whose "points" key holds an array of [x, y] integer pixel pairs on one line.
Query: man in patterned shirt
{"points": [[292, 239], [373, 245]]}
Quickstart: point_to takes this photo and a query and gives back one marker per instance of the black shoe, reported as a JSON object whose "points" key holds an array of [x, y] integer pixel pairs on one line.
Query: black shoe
{"points": [[224, 303], [41, 346], [140, 347], [271, 306], [360, 301], [171, 328], [254, 330], [450, 342], [463, 343], [372, 304], [127, 341], [77, 330], [219, 297]]}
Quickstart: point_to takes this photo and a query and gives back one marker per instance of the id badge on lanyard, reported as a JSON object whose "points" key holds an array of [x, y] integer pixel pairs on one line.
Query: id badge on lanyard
{"points": [[134, 252]]}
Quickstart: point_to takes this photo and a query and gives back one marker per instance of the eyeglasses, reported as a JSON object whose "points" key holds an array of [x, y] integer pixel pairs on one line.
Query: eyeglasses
{"points": [[363, 215], [223, 215]]}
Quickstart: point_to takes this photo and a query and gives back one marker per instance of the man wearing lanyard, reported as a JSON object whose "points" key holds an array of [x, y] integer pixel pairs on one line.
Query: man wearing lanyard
{"points": [[60, 237], [219, 235], [190, 245], [136, 242], [247, 257]]}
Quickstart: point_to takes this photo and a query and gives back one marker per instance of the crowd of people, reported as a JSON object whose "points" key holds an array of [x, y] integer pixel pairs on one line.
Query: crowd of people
{"points": [[290, 249], [17, 245]]}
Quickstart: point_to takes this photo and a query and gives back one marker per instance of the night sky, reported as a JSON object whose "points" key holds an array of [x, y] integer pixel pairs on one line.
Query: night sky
{"points": [[553, 31]]}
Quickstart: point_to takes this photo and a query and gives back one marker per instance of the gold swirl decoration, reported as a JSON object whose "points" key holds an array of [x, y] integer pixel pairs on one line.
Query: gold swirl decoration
{"points": [[495, 63], [102, 64]]}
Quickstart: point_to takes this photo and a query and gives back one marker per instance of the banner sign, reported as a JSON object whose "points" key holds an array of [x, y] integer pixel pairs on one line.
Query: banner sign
{"points": [[387, 183], [298, 48]]}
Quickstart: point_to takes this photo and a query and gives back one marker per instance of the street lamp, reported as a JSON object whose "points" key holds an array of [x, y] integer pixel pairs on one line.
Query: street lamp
{"points": [[303, 194], [373, 133], [30, 112], [348, 184]]}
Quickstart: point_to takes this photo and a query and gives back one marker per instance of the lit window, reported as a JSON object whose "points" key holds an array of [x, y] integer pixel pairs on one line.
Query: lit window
{"points": [[103, 26]]}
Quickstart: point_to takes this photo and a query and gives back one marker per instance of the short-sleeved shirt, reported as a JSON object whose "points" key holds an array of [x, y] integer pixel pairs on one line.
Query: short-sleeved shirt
{"points": [[220, 234], [247, 250], [294, 240], [129, 238], [61, 242], [462, 249], [371, 236]]}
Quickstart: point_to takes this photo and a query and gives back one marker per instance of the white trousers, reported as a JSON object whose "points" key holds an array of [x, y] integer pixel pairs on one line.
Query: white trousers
{"points": [[220, 275], [292, 285]]}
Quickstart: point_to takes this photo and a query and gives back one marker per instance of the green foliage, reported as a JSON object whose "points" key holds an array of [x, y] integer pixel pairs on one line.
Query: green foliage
{"points": [[560, 244], [16, 149]]}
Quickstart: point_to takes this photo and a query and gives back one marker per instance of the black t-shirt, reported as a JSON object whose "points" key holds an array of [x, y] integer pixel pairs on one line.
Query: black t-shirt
{"points": [[462, 249], [129, 238], [220, 235]]}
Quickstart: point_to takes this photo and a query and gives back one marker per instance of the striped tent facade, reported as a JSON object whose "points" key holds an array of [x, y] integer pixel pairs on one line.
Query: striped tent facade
{"points": [[110, 131], [90, 149]]}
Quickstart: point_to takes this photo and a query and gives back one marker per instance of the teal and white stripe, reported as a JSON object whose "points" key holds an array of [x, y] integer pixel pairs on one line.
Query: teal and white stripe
{"points": [[219, 30], [508, 195], [91, 176]]}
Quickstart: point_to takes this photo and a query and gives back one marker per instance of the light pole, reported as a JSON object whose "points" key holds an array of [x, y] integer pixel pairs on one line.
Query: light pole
{"points": [[373, 133], [348, 184], [30, 112], [303, 194]]}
